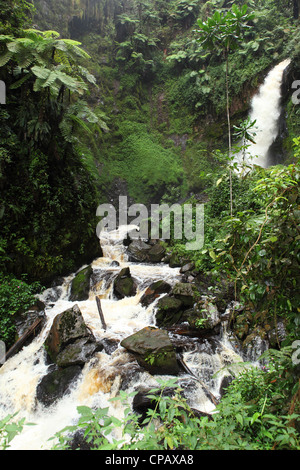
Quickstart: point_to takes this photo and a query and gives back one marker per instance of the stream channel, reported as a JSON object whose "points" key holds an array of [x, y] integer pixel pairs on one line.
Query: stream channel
{"points": [[113, 368]]}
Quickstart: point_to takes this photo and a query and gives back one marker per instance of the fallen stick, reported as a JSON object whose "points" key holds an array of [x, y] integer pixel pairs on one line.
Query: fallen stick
{"points": [[101, 313]]}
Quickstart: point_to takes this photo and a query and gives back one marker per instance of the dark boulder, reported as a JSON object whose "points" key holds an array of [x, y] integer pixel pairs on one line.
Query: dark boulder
{"points": [[169, 311], [203, 315], [185, 292], [78, 353], [56, 384], [67, 328], [138, 251], [80, 286], [124, 284], [144, 401], [154, 291], [187, 267], [156, 253], [174, 261], [153, 350]]}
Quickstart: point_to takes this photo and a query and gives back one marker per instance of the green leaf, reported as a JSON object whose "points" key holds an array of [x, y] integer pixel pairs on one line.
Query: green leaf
{"points": [[41, 72], [85, 411], [239, 419], [5, 58]]}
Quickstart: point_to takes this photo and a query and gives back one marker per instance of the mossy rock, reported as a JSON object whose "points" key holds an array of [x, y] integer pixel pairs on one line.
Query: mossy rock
{"points": [[80, 287], [174, 261], [168, 311], [204, 315], [56, 384], [154, 291], [156, 253], [153, 350], [138, 251], [67, 327], [78, 353], [185, 292], [124, 284]]}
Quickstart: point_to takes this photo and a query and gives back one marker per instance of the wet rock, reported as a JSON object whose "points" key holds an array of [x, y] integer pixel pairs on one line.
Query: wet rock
{"points": [[255, 344], [52, 294], [80, 286], [187, 267], [168, 311], [184, 292], [276, 334], [138, 251], [154, 291], [174, 261], [124, 284], [226, 381], [114, 263], [153, 350], [78, 353], [110, 344], [204, 315], [56, 384], [142, 402], [156, 253], [67, 328], [80, 442]]}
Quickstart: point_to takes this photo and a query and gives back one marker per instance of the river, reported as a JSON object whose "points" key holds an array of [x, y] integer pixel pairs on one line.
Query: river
{"points": [[102, 376]]}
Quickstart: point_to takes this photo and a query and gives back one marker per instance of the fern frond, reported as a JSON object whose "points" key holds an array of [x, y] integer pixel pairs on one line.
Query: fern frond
{"points": [[38, 84], [25, 60], [20, 82], [50, 80], [40, 72], [51, 34], [5, 58]]}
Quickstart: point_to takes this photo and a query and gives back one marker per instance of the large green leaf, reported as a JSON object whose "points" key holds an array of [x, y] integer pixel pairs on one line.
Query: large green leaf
{"points": [[41, 72]]}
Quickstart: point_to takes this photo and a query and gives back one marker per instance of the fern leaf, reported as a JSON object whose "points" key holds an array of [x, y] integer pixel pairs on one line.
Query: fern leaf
{"points": [[5, 58], [38, 84], [50, 80], [20, 82], [25, 60], [41, 72], [51, 34]]}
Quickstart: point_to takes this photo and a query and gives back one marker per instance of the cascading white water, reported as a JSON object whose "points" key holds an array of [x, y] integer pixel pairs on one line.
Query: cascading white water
{"points": [[101, 377], [265, 110]]}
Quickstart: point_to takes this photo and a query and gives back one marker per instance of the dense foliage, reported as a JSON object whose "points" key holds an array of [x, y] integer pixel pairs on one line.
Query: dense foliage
{"points": [[48, 190], [145, 112]]}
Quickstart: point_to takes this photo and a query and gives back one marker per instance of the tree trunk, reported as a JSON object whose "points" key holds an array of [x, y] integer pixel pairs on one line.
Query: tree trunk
{"points": [[32, 331]]}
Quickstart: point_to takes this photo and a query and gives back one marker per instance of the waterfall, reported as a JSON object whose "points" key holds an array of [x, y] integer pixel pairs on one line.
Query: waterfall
{"points": [[265, 110], [102, 376]]}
